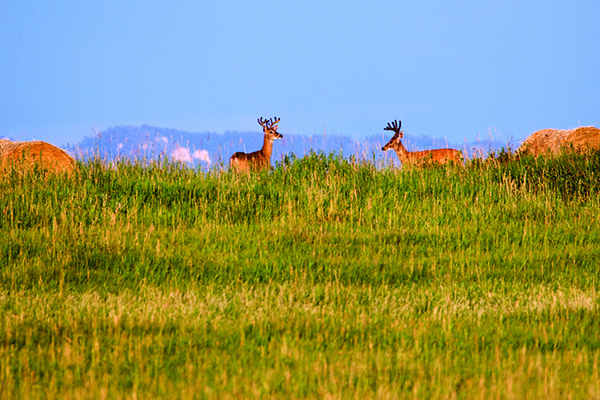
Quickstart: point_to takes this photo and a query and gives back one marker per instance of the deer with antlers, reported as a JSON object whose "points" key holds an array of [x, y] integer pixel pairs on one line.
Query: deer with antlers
{"points": [[261, 159], [438, 156]]}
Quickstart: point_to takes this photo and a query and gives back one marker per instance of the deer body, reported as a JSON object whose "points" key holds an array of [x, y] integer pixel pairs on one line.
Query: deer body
{"points": [[438, 156], [261, 159]]}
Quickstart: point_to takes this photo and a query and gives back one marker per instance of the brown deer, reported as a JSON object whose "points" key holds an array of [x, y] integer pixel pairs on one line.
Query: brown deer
{"points": [[261, 159], [438, 156]]}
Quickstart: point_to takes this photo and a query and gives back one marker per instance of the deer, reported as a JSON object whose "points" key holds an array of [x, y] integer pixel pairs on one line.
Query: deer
{"points": [[437, 156], [261, 159]]}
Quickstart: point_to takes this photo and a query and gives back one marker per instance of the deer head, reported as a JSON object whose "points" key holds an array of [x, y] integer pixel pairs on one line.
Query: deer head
{"points": [[270, 128], [395, 140]]}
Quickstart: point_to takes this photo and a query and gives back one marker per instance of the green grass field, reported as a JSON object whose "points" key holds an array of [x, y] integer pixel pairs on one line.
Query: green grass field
{"points": [[324, 278]]}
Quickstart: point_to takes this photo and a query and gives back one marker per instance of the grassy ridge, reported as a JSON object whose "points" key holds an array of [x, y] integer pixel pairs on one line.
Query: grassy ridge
{"points": [[324, 277]]}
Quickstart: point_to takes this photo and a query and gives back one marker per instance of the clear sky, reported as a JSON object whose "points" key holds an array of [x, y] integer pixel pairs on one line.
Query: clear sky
{"points": [[452, 70]]}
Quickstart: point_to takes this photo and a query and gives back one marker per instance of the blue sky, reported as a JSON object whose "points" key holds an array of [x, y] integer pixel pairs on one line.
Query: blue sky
{"points": [[454, 70]]}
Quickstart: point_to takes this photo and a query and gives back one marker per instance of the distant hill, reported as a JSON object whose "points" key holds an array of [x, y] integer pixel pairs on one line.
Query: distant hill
{"points": [[210, 149]]}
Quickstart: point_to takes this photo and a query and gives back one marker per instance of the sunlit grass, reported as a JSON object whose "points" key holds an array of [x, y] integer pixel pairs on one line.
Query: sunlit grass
{"points": [[325, 278]]}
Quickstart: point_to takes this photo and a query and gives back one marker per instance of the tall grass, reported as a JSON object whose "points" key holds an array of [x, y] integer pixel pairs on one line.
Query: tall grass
{"points": [[324, 278]]}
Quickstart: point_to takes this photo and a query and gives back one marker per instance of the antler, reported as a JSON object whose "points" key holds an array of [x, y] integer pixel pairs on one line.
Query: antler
{"points": [[394, 126], [268, 123]]}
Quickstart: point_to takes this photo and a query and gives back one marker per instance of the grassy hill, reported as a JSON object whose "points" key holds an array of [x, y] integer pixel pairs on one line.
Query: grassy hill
{"points": [[324, 278]]}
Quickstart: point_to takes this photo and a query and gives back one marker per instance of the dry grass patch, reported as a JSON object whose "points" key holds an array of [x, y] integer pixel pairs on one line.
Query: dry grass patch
{"points": [[551, 141], [25, 156]]}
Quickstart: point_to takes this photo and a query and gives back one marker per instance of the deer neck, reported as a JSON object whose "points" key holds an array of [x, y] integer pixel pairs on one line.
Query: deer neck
{"points": [[401, 151], [267, 148]]}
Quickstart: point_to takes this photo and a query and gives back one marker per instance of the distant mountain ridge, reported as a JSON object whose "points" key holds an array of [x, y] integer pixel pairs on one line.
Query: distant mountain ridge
{"points": [[212, 149]]}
